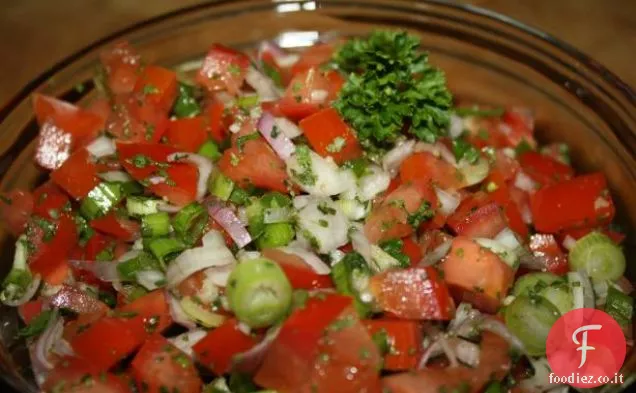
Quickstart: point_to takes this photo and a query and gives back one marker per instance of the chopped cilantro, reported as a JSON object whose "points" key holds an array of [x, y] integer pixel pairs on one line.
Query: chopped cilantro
{"points": [[150, 89], [37, 324], [307, 176], [242, 140], [394, 249], [464, 150], [336, 145], [423, 213]]}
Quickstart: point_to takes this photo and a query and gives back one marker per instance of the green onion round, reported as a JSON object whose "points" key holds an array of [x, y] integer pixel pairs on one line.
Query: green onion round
{"points": [[598, 256], [530, 319]]}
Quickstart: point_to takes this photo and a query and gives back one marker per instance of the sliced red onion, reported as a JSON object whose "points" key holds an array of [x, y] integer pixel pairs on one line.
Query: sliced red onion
{"points": [[569, 242], [301, 201], [393, 158], [439, 346], [456, 126], [226, 218], [39, 371], [149, 279], [282, 145], [437, 254], [264, 87], [465, 320], [28, 294], [177, 313], [46, 341], [498, 328], [186, 341], [219, 275], [449, 201], [203, 164], [525, 183], [63, 348], [287, 127], [115, 176], [308, 257], [102, 146], [275, 215], [250, 360]]}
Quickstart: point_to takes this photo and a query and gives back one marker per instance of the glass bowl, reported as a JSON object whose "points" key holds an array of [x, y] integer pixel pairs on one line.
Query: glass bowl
{"points": [[487, 58]]}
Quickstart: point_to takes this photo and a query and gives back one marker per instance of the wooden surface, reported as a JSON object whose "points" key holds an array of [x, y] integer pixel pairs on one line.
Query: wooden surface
{"points": [[35, 34]]}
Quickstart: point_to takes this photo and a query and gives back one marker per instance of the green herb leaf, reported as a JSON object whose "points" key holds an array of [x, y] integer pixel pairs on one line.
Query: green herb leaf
{"points": [[37, 325], [394, 249]]}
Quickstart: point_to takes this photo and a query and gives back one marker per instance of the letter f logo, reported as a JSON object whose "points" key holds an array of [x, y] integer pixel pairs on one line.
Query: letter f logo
{"points": [[583, 344]]}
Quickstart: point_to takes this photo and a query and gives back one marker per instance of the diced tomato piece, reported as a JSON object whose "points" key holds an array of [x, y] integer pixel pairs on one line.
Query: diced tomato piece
{"points": [[545, 247], [317, 348], [219, 347], [518, 126], [425, 168], [390, 219], [476, 275], [155, 152], [505, 165], [430, 240], [109, 339], [78, 174], [30, 310], [75, 375], [544, 169], [405, 342], [96, 244], [412, 250], [122, 64], [307, 93], [414, 293], [49, 200], [180, 186], [579, 202], [161, 367], [257, 164], [494, 364], [187, 134], [15, 208], [476, 216], [77, 300], [300, 275], [54, 146], [503, 197], [223, 69], [135, 120], [313, 56], [49, 258], [216, 127], [269, 59], [158, 86], [118, 227], [329, 135]]}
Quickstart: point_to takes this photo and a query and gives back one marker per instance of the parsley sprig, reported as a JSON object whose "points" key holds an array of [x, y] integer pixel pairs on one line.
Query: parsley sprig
{"points": [[391, 88]]}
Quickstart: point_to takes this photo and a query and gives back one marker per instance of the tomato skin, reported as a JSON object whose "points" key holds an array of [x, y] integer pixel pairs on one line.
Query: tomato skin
{"points": [[73, 375], [257, 164], [415, 293], [494, 364], [298, 103], [293, 362], [155, 151], [502, 195], [544, 169], [579, 202], [184, 189], [389, 219], [159, 366], [122, 64], [476, 275], [187, 134], [49, 200], [158, 86], [15, 208], [216, 127], [431, 239], [476, 216], [519, 126], [223, 69], [30, 310], [118, 227], [77, 175], [136, 120], [546, 247], [219, 347], [412, 250], [109, 339], [322, 130], [50, 257], [423, 167], [405, 339], [300, 275]]}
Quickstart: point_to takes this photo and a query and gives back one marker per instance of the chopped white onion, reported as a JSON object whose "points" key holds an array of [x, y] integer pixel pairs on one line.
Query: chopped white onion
{"points": [[154, 180], [582, 290], [449, 201], [526, 214], [525, 183], [353, 209], [177, 313], [323, 225], [539, 382], [377, 259], [287, 127], [102, 146], [508, 239], [329, 178], [185, 341], [218, 276], [203, 164], [282, 145], [226, 218], [509, 256], [456, 127], [264, 87], [569, 242], [467, 352], [115, 176], [437, 254], [474, 173], [149, 279], [311, 259], [438, 150], [393, 158], [275, 215], [318, 96], [282, 58], [373, 183], [29, 292], [244, 255], [301, 201], [167, 207]]}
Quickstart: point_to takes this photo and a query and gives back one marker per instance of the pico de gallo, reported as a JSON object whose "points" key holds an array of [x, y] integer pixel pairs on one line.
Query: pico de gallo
{"points": [[330, 220]]}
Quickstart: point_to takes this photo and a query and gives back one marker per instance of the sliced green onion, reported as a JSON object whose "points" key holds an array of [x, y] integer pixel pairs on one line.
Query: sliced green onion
{"points": [[101, 199], [138, 206], [247, 101], [190, 222], [275, 199], [530, 318], [132, 188], [255, 217], [533, 282], [220, 186], [276, 235], [144, 261], [619, 306], [17, 282], [494, 387], [559, 294], [210, 150], [239, 196], [200, 314], [185, 105], [599, 256], [155, 224], [582, 290], [166, 248], [259, 293]]}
